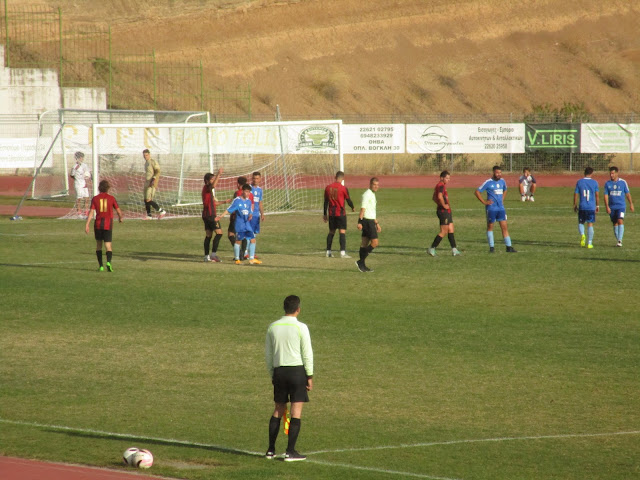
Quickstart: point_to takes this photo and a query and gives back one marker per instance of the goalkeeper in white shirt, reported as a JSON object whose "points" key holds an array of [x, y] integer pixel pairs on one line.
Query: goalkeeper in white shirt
{"points": [[80, 174]]}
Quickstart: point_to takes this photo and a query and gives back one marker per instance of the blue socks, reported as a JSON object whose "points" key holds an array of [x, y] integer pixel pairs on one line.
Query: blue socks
{"points": [[490, 238], [581, 228], [236, 251], [252, 250], [507, 241], [590, 234]]}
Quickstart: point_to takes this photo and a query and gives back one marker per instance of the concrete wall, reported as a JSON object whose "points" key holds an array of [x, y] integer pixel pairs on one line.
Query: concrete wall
{"points": [[33, 90]]}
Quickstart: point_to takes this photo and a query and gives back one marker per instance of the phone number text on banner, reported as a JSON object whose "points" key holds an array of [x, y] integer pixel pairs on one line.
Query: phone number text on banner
{"points": [[466, 138]]}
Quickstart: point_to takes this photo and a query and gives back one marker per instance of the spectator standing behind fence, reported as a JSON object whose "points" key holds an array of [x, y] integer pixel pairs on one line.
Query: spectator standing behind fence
{"points": [[152, 175]]}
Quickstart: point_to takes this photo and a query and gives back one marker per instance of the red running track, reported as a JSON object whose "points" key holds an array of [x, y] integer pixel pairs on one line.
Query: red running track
{"points": [[21, 469]]}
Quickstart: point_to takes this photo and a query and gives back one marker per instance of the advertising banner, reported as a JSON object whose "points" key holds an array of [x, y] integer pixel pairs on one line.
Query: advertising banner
{"points": [[553, 137], [385, 138], [610, 138], [466, 138], [21, 152]]}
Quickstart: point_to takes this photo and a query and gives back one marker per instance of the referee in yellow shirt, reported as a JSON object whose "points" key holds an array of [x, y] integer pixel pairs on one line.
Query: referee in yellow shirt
{"points": [[368, 224], [289, 359]]}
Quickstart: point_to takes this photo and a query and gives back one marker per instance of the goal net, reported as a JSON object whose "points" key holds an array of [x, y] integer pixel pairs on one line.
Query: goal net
{"points": [[295, 159], [63, 132]]}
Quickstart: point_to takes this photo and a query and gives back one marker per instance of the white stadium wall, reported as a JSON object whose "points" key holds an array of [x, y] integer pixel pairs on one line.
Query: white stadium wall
{"points": [[33, 91]]}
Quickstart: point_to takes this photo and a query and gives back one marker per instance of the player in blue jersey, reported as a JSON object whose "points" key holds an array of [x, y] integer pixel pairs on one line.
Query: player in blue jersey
{"points": [[241, 206], [496, 189], [616, 191], [258, 210], [586, 201]]}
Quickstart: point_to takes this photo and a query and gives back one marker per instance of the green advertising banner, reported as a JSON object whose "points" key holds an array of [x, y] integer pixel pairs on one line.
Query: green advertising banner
{"points": [[552, 137]]}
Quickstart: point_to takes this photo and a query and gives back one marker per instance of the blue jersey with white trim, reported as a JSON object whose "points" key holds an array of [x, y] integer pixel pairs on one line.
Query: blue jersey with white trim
{"points": [[242, 209], [587, 187], [257, 198], [495, 190], [616, 192]]}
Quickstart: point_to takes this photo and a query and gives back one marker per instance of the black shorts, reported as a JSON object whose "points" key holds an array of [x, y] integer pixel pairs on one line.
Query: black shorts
{"points": [[338, 223], [232, 223], [104, 235], [211, 224], [369, 229], [290, 384], [445, 217]]}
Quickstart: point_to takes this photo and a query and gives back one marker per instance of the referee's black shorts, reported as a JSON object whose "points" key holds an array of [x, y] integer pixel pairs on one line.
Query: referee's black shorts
{"points": [[369, 229], [290, 384]]}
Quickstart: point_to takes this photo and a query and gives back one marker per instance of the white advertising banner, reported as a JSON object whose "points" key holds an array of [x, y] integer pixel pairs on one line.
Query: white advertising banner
{"points": [[21, 152], [384, 138], [265, 139], [610, 138], [466, 138]]}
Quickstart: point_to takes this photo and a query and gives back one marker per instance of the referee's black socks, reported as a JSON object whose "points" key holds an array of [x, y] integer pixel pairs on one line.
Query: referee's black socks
{"points": [[294, 430], [274, 428], [365, 251]]}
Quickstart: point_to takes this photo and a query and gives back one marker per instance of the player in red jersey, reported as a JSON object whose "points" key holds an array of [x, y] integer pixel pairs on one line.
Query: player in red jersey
{"points": [[103, 205], [441, 198], [335, 194], [209, 203]]}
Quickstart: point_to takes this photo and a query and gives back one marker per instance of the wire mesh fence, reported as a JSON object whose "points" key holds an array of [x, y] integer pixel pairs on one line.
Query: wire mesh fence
{"points": [[84, 56]]}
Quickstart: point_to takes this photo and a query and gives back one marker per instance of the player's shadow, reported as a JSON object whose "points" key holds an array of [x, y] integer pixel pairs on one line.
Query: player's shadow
{"points": [[172, 257], [153, 441], [607, 259]]}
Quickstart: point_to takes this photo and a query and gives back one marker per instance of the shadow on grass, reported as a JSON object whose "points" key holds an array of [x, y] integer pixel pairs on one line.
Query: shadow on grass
{"points": [[604, 259], [152, 441]]}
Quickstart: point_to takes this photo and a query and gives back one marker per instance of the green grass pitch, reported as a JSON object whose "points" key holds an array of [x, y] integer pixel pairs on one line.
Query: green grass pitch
{"points": [[476, 367]]}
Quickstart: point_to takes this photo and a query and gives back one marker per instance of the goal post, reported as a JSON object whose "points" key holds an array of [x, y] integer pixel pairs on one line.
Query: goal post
{"points": [[62, 132], [295, 159]]}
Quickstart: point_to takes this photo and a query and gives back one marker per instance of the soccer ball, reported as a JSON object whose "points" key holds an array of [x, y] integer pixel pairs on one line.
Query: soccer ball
{"points": [[142, 459], [87, 174], [128, 455]]}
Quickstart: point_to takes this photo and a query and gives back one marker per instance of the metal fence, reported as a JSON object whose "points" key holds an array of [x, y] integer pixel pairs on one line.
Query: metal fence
{"points": [[36, 37]]}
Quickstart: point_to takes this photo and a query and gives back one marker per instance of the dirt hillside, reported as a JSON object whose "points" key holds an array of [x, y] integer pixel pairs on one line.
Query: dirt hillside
{"points": [[393, 56]]}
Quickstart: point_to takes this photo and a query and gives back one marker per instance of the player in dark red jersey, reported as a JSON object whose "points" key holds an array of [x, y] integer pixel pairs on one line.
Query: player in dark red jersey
{"points": [[335, 194], [103, 205], [441, 198], [209, 203]]}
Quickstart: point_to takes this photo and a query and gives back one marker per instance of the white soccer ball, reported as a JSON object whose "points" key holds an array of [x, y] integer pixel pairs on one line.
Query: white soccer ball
{"points": [[128, 455], [142, 459], [87, 174]]}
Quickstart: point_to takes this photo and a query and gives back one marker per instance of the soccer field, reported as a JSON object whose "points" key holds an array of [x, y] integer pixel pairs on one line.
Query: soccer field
{"points": [[483, 367]]}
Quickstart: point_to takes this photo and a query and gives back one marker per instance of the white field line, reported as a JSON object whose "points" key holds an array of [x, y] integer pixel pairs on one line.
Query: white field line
{"points": [[379, 470], [320, 462], [129, 436], [46, 263], [479, 440], [172, 441]]}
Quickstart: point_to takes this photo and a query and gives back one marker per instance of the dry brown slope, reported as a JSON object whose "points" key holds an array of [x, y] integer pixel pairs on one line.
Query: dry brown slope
{"points": [[404, 56]]}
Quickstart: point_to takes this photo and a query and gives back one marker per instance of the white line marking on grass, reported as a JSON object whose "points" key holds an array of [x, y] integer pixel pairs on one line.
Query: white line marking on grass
{"points": [[379, 470], [130, 436], [47, 263], [479, 440]]}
